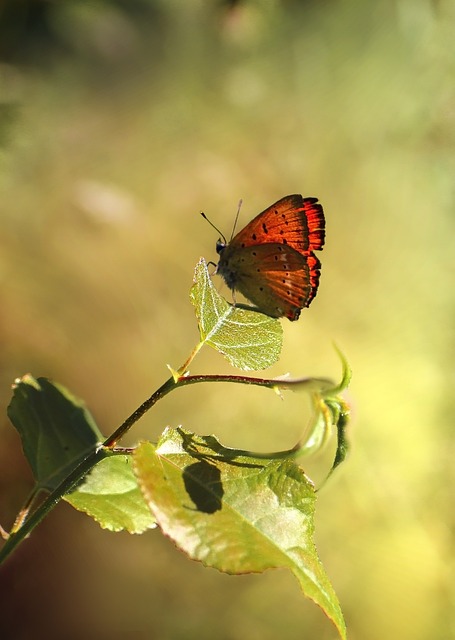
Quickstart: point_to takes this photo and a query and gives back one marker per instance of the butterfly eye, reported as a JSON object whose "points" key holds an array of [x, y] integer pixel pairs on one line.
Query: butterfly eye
{"points": [[220, 246]]}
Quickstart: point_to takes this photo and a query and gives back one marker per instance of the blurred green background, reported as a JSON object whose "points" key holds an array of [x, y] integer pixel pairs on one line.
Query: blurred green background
{"points": [[119, 122]]}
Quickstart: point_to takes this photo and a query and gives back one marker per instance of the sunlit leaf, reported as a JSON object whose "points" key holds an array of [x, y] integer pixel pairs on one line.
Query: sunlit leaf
{"points": [[56, 429], [110, 494], [248, 339], [234, 512]]}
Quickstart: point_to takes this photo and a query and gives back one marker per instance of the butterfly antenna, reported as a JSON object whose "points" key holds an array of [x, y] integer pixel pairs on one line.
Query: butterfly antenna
{"points": [[223, 237], [236, 218]]}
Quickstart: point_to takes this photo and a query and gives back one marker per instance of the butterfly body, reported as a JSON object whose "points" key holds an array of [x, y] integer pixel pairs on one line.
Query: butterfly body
{"points": [[271, 261]]}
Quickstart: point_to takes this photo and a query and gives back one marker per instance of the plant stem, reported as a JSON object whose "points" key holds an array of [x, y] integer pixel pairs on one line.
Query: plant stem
{"points": [[165, 388], [52, 499], [184, 381]]}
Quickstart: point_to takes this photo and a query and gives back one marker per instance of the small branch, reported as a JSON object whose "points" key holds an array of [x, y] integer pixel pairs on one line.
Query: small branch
{"points": [[118, 434], [183, 381], [52, 499]]}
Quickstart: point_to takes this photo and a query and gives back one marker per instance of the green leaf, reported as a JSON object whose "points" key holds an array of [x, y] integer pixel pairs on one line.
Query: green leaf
{"points": [[234, 512], [249, 339], [56, 429], [110, 495]]}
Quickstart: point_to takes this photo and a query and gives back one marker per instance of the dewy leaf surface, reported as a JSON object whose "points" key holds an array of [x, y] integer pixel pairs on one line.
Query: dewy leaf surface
{"points": [[248, 339], [110, 494], [233, 512], [56, 428]]}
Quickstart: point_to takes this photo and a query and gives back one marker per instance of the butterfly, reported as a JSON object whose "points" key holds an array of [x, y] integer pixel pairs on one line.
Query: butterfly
{"points": [[271, 261]]}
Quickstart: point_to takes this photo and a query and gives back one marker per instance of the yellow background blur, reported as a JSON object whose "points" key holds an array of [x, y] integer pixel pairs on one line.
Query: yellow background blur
{"points": [[120, 122]]}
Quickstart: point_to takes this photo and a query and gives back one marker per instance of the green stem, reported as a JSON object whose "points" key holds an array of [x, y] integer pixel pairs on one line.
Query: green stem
{"points": [[118, 434], [184, 381], [49, 503]]}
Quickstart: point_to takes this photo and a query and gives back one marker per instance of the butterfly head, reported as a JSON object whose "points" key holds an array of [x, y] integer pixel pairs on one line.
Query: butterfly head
{"points": [[220, 246]]}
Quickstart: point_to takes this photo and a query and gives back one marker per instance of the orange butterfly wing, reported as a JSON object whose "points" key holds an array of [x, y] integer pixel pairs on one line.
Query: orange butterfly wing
{"points": [[275, 277], [293, 220], [271, 261]]}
